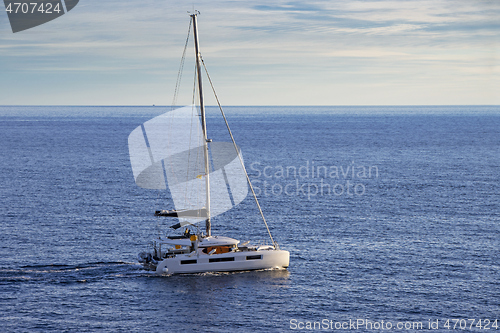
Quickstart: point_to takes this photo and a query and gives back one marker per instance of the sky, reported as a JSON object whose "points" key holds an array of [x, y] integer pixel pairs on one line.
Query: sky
{"points": [[344, 52]]}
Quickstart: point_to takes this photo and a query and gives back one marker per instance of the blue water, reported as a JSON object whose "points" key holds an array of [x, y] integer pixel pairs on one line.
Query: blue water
{"points": [[413, 238]]}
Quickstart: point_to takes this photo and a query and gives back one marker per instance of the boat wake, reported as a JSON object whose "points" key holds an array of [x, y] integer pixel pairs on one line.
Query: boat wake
{"points": [[61, 273]]}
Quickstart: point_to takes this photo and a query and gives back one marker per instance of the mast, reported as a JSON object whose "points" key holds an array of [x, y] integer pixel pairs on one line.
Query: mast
{"points": [[203, 121]]}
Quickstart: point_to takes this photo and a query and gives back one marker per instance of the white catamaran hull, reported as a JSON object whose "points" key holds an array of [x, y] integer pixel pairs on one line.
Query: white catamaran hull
{"points": [[227, 262]]}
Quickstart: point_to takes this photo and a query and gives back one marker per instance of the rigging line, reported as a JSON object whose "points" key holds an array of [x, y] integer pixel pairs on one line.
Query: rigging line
{"points": [[181, 67], [177, 85], [194, 89], [189, 149], [186, 187], [193, 109], [191, 200], [179, 78], [238, 153]]}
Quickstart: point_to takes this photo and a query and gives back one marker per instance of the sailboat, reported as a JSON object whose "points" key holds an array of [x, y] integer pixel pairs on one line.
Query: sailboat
{"points": [[205, 179]]}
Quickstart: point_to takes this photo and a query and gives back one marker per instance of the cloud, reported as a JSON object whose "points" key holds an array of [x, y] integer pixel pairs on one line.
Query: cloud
{"points": [[288, 47], [384, 17]]}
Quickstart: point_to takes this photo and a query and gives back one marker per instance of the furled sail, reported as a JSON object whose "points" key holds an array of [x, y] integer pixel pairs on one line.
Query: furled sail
{"points": [[168, 150]]}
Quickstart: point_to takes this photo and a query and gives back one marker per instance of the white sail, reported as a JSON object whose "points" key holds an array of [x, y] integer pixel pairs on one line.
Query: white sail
{"points": [[170, 147]]}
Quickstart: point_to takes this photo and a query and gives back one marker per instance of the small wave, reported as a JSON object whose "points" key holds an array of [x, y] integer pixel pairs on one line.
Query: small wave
{"points": [[63, 273], [78, 266]]}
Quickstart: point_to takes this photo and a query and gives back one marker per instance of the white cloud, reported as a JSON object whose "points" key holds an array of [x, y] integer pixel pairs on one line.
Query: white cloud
{"points": [[260, 52]]}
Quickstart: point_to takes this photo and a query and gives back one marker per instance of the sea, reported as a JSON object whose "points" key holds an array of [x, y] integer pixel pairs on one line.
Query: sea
{"points": [[391, 215]]}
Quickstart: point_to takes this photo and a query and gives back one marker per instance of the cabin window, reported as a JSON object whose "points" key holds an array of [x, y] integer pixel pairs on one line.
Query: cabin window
{"points": [[254, 257], [219, 249], [221, 259], [185, 262]]}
